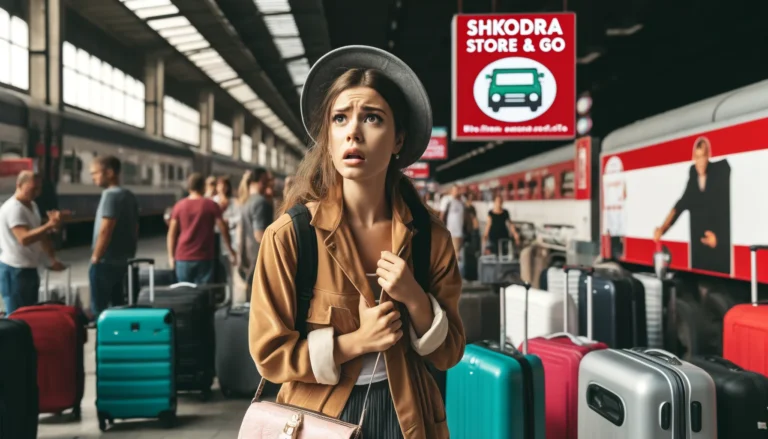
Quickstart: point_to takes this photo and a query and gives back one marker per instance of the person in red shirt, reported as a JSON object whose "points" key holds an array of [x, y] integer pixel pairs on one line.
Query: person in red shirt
{"points": [[191, 235]]}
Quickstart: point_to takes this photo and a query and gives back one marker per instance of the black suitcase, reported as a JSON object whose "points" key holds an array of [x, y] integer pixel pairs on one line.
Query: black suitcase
{"points": [[619, 309], [235, 368], [742, 398], [163, 278], [18, 381], [193, 307], [480, 313]]}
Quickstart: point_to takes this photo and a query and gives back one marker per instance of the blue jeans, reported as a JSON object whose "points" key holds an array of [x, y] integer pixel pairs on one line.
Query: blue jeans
{"points": [[196, 272], [19, 287], [107, 286]]}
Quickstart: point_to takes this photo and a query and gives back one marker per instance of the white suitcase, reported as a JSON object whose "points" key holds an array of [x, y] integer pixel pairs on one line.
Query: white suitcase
{"points": [[545, 313], [556, 282]]}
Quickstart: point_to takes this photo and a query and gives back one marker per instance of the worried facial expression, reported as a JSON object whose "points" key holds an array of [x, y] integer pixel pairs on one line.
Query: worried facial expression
{"points": [[701, 155], [362, 134]]}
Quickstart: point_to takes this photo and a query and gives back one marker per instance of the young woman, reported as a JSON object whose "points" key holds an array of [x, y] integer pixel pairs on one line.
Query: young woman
{"points": [[498, 226], [367, 125]]}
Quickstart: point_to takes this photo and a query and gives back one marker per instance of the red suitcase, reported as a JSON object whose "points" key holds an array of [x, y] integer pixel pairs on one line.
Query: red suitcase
{"points": [[561, 354], [59, 336], [745, 328]]}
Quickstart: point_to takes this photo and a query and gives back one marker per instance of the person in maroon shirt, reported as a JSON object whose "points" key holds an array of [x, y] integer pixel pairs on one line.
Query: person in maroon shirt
{"points": [[191, 235]]}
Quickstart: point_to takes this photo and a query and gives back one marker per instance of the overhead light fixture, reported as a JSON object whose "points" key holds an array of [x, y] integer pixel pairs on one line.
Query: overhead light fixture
{"points": [[289, 47], [589, 58], [231, 83], [159, 11], [189, 38], [177, 31], [242, 93], [298, 69], [281, 25], [168, 23], [272, 6], [203, 55], [188, 47], [624, 31]]}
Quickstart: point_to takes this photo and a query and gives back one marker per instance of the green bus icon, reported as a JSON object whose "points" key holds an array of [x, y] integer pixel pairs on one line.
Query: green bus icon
{"points": [[514, 88]]}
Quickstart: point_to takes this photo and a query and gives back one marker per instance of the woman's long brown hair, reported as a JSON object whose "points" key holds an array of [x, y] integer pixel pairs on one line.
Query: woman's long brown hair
{"points": [[316, 174]]}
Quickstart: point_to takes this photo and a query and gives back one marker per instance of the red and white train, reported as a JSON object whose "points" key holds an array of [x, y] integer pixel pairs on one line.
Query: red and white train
{"points": [[693, 177]]}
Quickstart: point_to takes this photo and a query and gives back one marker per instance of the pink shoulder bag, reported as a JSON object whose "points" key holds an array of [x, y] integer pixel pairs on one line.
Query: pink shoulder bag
{"points": [[269, 420]]}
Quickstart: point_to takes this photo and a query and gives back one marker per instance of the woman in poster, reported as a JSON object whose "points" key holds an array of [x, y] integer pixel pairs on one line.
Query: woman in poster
{"points": [[707, 198]]}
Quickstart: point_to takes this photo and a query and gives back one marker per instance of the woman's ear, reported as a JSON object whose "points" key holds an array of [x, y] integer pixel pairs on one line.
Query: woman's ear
{"points": [[399, 141]]}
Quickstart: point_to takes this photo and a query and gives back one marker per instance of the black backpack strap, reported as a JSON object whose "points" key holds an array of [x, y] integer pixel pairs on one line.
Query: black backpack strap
{"points": [[306, 266]]}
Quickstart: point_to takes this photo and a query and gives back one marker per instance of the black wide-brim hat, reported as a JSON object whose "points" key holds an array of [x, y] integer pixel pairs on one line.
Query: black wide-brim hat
{"points": [[334, 63]]}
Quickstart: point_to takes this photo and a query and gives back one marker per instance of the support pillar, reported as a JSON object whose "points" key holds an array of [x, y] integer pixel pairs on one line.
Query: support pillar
{"points": [[238, 128], [205, 105], [256, 136], [154, 95], [269, 139], [45, 51]]}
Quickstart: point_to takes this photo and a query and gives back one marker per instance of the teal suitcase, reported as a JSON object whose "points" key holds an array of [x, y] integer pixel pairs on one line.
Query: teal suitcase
{"points": [[494, 393], [135, 364]]}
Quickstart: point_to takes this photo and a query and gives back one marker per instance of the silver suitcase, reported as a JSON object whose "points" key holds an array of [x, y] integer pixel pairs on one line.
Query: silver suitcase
{"points": [[654, 308], [644, 394]]}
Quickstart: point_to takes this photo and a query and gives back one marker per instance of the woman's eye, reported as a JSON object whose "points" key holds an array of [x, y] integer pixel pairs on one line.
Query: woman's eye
{"points": [[339, 118], [373, 118]]}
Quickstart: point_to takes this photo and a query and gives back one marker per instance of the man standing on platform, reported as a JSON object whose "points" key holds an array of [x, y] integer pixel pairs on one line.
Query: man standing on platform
{"points": [[115, 236], [23, 240]]}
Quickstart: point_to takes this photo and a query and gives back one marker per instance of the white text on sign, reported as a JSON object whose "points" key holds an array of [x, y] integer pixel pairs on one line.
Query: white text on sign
{"points": [[495, 28]]}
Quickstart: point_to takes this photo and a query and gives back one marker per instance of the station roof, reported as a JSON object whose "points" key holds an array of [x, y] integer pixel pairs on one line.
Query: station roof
{"points": [[637, 58]]}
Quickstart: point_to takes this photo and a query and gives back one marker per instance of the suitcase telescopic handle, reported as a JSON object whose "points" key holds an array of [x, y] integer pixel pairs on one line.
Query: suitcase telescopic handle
{"points": [[135, 262], [590, 271], [502, 297], [753, 249]]}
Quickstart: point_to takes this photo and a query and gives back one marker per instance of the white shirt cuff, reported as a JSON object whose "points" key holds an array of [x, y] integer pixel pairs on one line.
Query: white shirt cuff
{"points": [[324, 367], [435, 336]]}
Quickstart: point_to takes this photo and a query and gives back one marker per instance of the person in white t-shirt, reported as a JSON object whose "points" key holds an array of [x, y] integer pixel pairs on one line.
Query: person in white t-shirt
{"points": [[452, 210], [23, 240]]}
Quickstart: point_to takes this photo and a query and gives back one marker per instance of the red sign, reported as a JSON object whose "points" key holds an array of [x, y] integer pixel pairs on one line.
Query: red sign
{"points": [[438, 145], [514, 77], [583, 169], [417, 170]]}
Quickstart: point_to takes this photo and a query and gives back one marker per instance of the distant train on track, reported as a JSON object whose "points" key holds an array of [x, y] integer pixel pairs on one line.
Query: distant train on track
{"points": [[62, 144], [691, 180]]}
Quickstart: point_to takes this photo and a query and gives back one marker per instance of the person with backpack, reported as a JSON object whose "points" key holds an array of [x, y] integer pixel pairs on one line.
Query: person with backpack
{"points": [[363, 298]]}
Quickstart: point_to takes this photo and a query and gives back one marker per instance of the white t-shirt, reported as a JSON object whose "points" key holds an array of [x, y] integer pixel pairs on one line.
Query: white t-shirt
{"points": [[455, 220], [14, 213]]}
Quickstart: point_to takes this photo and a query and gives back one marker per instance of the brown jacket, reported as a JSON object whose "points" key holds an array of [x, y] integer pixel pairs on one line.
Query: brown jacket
{"points": [[311, 379]]}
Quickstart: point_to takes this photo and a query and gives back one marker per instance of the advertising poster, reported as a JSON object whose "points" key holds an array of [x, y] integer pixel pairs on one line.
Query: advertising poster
{"points": [[514, 77], [700, 196], [438, 145], [417, 171]]}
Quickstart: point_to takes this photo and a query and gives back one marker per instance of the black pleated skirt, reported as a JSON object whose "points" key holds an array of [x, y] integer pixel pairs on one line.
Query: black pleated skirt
{"points": [[380, 419]]}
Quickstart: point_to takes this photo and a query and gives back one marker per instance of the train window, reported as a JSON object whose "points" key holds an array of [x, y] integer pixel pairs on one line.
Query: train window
{"points": [[510, 191], [147, 175], [130, 173], [14, 50], [180, 122], [521, 191], [567, 184], [532, 188], [179, 173], [246, 148], [171, 172], [549, 187]]}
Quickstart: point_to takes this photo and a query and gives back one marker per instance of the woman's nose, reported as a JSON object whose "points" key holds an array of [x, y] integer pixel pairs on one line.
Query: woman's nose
{"points": [[354, 133]]}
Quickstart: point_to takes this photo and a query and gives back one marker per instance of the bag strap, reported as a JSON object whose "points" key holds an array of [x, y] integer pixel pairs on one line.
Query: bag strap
{"points": [[306, 266]]}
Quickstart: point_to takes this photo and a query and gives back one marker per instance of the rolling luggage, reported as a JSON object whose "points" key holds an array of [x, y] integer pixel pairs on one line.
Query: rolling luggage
{"points": [[479, 311], [193, 307], [163, 277], [546, 311], [644, 394], [659, 294], [18, 381], [495, 391], [491, 268], [619, 300], [561, 353], [745, 328], [136, 362], [59, 336], [742, 398], [235, 368]]}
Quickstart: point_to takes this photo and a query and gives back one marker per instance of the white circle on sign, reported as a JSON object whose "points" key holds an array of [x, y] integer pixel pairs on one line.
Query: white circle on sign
{"points": [[515, 89]]}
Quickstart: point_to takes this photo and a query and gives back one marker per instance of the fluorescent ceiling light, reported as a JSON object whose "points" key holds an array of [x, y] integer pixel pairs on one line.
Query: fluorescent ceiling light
{"points": [[281, 25], [221, 77], [141, 4], [272, 6], [156, 12], [298, 70], [270, 120], [290, 47], [242, 93], [176, 31], [210, 63], [185, 39], [187, 47], [590, 57], [203, 55], [255, 105], [232, 83], [624, 31], [261, 113], [168, 23]]}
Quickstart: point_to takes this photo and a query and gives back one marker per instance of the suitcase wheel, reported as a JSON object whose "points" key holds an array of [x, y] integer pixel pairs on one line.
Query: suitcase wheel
{"points": [[206, 395], [168, 419], [103, 423]]}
